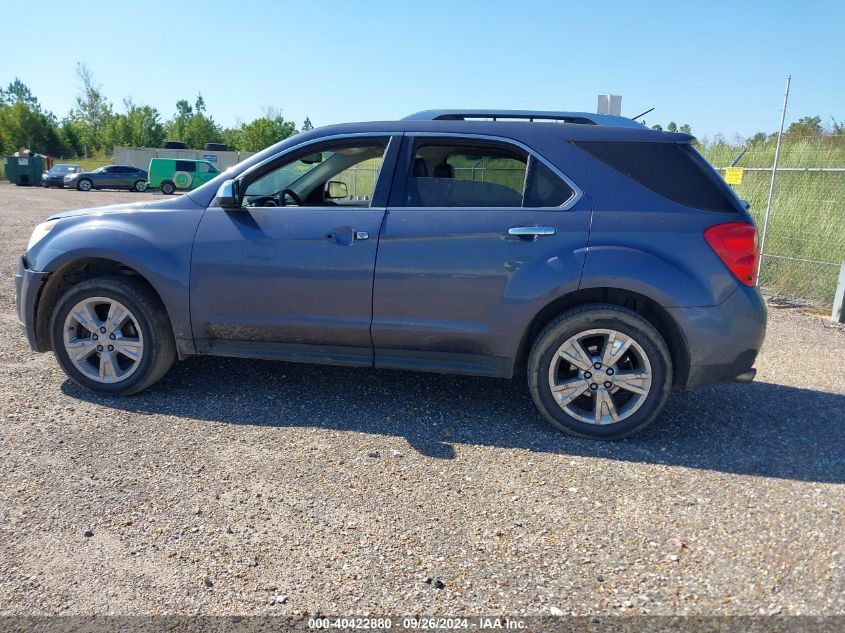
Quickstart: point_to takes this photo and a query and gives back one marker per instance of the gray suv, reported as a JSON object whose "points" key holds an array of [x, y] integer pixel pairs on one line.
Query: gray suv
{"points": [[605, 261]]}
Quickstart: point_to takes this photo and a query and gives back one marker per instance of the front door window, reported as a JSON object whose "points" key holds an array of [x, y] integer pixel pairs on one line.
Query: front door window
{"points": [[343, 174]]}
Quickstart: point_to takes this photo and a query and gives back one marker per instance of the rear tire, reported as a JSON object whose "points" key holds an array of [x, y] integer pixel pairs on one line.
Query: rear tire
{"points": [[140, 186], [112, 335], [167, 187], [617, 387]]}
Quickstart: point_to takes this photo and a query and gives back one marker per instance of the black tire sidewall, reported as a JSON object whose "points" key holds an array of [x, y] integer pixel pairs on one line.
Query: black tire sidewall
{"points": [[79, 185], [647, 337], [168, 185], [60, 313]]}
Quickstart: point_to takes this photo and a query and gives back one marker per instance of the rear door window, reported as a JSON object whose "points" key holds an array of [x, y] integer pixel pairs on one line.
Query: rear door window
{"points": [[674, 170], [480, 174], [185, 165]]}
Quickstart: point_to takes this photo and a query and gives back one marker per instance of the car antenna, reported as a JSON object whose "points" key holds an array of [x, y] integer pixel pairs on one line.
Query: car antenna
{"points": [[634, 118]]}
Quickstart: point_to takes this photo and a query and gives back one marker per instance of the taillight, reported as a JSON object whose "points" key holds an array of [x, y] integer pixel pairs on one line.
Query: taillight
{"points": [[736, 245]]}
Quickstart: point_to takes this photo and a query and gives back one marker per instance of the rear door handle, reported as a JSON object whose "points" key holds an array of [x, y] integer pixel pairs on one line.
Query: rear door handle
{"points": [[531, 231], [362, 235]]}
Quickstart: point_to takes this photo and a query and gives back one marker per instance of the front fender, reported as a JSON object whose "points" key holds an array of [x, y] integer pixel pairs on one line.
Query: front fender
{"points": [[159, 251]]}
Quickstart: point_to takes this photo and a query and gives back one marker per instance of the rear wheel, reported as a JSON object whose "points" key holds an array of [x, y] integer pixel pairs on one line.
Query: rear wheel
{"points": [[600, 371], [140, 186], [112, 335], [84, 185], [167, 187]]}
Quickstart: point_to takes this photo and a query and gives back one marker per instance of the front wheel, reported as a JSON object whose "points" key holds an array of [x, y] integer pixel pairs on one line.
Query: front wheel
{"points": [[112, 335], [84, 185], [600, 371]]}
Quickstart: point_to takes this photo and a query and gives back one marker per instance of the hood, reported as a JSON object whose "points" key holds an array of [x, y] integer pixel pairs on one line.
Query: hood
{"points": [[179, 202]]}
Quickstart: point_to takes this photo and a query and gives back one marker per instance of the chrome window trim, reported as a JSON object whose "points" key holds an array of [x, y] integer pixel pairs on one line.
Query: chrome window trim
{"points": [[577, 192]]}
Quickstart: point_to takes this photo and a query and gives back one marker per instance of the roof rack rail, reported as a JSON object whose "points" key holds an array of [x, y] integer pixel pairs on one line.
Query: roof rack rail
{"points": [[583, 118]]}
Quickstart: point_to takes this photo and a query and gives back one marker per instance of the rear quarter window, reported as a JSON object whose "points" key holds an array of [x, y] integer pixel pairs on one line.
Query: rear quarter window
{"points": [[674, 170], [185, 165]]}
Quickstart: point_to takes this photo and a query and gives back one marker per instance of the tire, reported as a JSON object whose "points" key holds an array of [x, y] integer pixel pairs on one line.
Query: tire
{"points": [[146, 331], [632, 387], [84, 185], [167, 188], [140, 186], [182, 179]]}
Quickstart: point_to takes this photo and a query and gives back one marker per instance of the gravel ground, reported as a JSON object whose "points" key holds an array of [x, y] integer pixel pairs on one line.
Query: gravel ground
{"points": [[245, 487]]}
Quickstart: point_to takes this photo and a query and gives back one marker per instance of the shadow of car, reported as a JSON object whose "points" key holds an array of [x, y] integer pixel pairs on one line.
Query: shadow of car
{"points": [[717, 428]]}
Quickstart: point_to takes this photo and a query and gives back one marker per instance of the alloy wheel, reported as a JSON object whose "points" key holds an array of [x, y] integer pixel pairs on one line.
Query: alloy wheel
{"points": [[600, 376], [103, 340]]}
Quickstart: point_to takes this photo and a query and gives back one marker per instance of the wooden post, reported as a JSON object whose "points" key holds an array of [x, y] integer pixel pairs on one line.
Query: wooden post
{"points": [[838, 313]]}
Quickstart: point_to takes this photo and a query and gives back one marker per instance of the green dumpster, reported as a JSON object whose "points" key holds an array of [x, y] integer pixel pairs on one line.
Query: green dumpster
{"points": [[25, 170]]}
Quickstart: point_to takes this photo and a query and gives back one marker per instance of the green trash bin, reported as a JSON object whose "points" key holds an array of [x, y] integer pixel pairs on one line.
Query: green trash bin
{"points": [[25, 170]]}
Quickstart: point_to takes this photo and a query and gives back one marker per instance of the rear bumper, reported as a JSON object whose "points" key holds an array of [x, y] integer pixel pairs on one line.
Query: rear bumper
{"points": [[723, 341], [28, 285]]}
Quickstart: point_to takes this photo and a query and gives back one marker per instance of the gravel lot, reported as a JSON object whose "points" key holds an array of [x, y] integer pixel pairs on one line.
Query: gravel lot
{"points": [[245, 487]]}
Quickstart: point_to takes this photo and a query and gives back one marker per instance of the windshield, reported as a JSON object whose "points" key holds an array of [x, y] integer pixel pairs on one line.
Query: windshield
{"points": [[64, 169]]}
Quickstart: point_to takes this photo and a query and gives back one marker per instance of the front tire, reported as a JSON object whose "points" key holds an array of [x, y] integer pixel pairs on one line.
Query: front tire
{"points": [[600, 371], [112, 335], [167, 187], [84, 185]]}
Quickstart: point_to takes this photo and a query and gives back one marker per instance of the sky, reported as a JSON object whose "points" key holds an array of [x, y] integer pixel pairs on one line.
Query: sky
{"points": [[718, 65]]}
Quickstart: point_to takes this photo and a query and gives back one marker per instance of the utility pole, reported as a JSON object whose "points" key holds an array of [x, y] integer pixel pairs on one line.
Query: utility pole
{"points": [[774, 177]]}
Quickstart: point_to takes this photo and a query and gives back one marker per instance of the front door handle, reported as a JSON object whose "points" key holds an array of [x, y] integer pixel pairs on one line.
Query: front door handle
{"points": [[346, 235], [531, 231]]}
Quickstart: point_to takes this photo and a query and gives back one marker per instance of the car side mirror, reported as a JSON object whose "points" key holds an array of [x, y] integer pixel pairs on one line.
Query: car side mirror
{"points": [[335, 190], [227, 195], [745, 204]]}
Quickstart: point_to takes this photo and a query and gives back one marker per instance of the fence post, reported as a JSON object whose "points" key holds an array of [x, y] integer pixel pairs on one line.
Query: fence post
{"points": [[772, 183], [838, 313]]}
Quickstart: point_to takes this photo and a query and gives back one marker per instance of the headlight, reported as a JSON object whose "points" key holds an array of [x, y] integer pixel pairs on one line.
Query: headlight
{"points": [[40, 232]]}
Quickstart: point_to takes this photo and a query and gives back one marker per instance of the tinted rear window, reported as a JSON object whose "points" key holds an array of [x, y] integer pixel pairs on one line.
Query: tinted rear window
{"points": [[185, 165], [674, 170]]}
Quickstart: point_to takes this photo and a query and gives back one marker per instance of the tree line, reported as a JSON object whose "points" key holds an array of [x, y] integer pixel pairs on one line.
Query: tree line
{"points": [[94, 126]]}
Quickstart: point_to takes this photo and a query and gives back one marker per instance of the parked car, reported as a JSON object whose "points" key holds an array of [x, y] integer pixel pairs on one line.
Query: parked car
{"points": [[170, 174], [109, 177], [605, 261], [55, 176]]}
